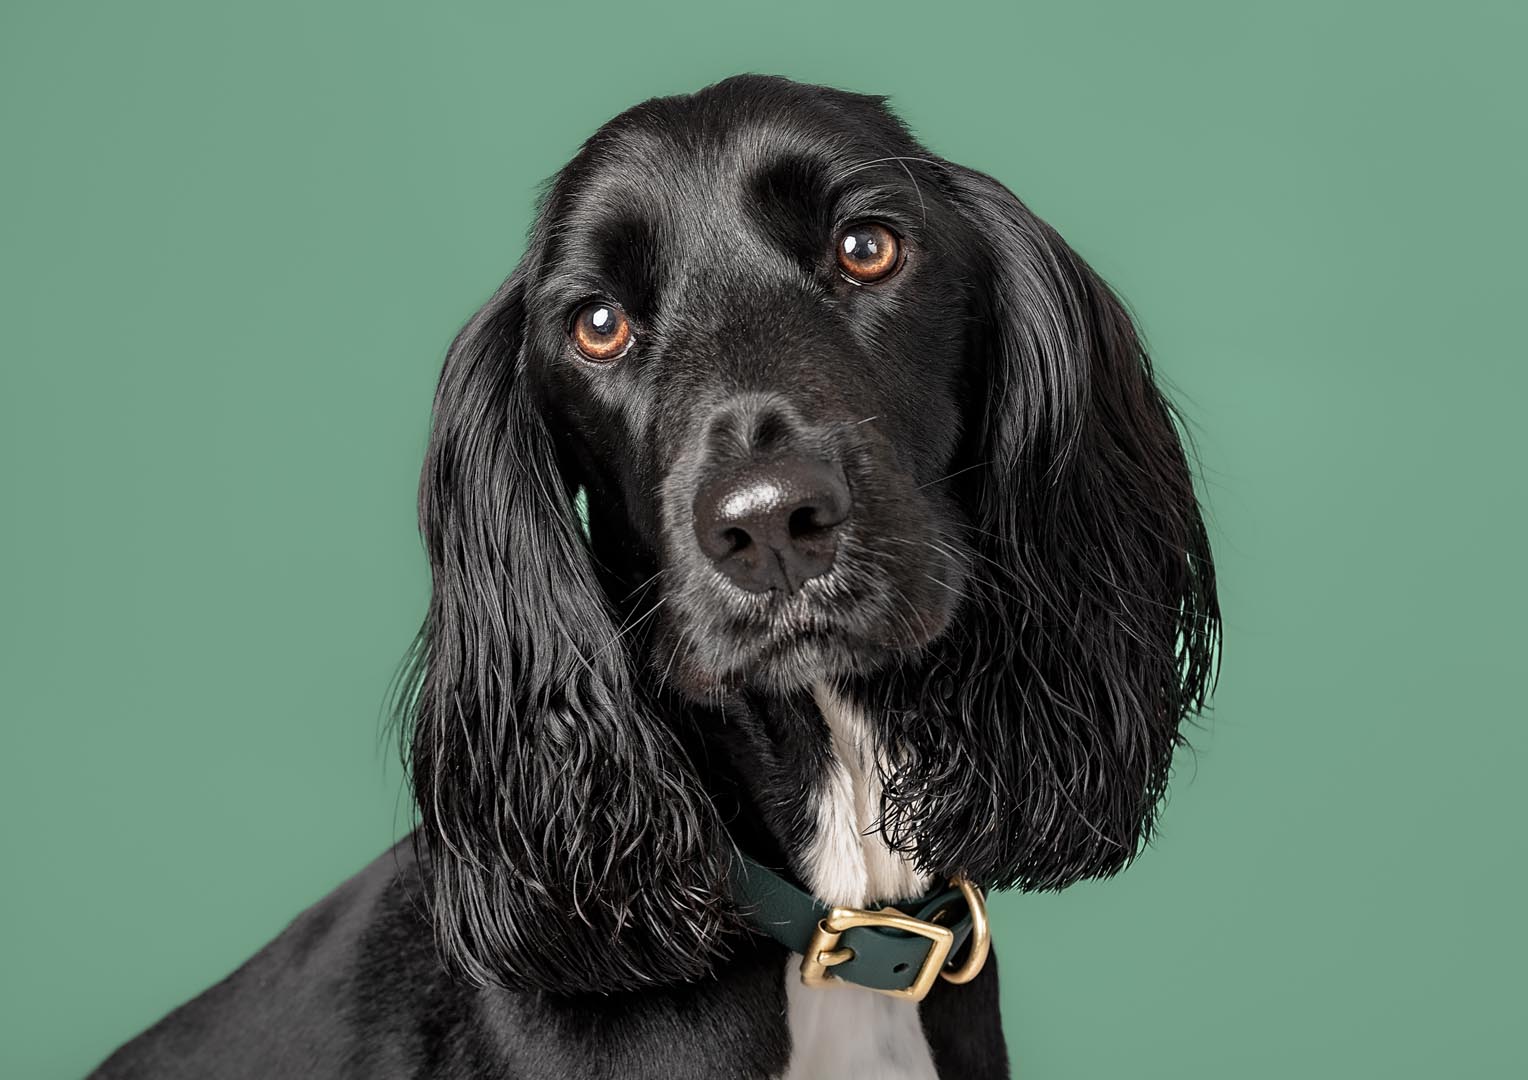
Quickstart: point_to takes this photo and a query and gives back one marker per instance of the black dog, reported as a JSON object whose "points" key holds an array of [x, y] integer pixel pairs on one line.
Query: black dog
{"points": [[892, 573]]}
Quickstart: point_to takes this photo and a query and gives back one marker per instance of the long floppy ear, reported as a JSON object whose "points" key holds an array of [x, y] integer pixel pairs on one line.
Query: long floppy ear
{"points": [[1092, 628], [569, 845]]}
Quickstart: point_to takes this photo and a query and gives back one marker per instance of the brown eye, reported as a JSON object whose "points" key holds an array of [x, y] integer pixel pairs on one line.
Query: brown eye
{"points": [[868, 252], [601, 331]]}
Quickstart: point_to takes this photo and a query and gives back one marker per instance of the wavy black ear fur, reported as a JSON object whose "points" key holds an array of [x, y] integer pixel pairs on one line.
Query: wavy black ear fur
{"points": [[1092, 625], [569, 846]]}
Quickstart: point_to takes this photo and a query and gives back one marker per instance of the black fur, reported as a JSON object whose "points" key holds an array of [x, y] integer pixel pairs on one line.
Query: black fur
{"points": [[1022, 603]]}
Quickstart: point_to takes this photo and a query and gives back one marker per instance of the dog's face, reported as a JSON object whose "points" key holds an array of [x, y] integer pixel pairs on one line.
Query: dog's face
{"points": [[750, 330], [843, 412]]}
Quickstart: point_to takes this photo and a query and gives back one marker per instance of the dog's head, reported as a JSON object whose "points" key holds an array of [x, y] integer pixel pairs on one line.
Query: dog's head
{"points": [[842, 413]]}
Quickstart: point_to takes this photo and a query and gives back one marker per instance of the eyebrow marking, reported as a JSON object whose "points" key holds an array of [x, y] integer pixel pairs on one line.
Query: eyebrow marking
{"points": [[902, 160], [623, 250]]}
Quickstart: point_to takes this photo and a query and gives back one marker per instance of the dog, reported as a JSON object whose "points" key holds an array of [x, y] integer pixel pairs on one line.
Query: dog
{"points": [[811, 548]]}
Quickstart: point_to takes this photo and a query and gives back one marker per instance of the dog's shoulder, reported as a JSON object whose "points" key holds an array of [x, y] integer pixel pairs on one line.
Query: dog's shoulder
{"points": [[354, 987], [303, 1004]]}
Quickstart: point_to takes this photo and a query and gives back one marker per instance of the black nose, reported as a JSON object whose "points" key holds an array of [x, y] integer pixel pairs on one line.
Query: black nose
{"points": [[774, 525]]}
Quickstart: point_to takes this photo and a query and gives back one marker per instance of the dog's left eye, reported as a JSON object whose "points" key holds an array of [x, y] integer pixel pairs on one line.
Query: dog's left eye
{"points": [[601, 331], [868, 252]]}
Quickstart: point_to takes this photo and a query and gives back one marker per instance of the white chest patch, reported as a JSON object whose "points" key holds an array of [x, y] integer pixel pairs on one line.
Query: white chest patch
{"points": [[848, 1033]]}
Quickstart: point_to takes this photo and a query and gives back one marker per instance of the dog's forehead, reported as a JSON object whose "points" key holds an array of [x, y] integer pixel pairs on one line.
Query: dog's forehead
{"points": [[680, 178]]}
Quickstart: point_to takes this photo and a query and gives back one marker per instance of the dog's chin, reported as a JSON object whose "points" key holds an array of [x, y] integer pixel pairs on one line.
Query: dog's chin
{"points": [[781, 659], [803, 660], [787, 664]]}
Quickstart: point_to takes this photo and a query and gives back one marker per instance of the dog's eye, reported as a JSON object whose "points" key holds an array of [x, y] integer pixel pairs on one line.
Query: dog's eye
{"points": [[868, 252], [601, 331]]}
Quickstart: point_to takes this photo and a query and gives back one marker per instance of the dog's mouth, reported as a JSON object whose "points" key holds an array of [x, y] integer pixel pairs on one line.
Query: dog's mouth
{"points": [[841, 624]]}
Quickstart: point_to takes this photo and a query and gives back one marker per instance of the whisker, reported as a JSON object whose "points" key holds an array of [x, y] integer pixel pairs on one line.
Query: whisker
{"points": [[644, 585], [632, 625], [899, 158], [950, 476]]}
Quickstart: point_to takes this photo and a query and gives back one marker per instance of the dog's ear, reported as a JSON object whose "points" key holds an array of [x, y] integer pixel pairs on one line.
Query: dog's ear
{"points": [[568, 843], [1092, 628]]}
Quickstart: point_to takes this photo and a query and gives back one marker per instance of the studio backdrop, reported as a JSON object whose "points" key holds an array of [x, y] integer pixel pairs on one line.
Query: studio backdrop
{"points": [[237, 238]]}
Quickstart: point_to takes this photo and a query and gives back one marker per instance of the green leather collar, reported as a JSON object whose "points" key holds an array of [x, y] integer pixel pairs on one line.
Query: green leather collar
{"points": [[861, 947]]}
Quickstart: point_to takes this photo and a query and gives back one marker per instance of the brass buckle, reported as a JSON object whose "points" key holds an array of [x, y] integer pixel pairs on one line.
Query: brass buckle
{"points": [[824, 952]]}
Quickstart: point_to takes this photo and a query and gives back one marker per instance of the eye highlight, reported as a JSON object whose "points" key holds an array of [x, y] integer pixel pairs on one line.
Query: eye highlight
{"points": [[868, 251], [601, 331]]}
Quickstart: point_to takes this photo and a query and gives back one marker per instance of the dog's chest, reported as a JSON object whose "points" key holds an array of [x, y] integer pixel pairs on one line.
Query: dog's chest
{"points": [[849, 1033]]}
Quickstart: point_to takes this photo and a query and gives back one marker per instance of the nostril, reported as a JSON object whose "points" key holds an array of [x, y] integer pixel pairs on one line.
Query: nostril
{"points": [[820, 512], [803, 522], [735, 540]]}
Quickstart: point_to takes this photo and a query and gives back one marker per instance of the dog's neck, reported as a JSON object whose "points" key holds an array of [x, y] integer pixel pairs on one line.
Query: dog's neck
{"points": [[847, 862], [809, 776]]}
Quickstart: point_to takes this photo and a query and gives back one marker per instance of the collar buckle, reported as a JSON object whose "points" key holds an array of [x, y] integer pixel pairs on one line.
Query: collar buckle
{"points": [[826, 951]]}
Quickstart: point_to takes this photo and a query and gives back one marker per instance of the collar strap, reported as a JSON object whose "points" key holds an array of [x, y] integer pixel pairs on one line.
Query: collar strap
{"points": [[899, 950]]}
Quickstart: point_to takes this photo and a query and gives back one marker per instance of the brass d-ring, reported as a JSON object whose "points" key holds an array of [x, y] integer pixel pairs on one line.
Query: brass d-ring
{"points": [[981, 936]]}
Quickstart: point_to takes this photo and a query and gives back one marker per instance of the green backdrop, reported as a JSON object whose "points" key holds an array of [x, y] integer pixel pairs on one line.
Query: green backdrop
{"points": [[237, 239]]}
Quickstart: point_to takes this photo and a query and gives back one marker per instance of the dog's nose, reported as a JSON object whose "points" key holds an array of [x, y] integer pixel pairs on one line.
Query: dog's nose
{"points": [[773, 525]]}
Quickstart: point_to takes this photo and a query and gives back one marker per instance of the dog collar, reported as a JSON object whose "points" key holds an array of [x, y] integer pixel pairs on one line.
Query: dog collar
{"points": [[899, 950]]}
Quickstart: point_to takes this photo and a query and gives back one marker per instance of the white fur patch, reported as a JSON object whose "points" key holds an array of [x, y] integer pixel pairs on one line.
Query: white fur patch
{"points": [[849, 863], [846, 1032]]}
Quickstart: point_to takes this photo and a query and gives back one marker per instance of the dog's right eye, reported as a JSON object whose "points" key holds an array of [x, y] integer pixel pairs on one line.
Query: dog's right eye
{"points": [[601, 331]]}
